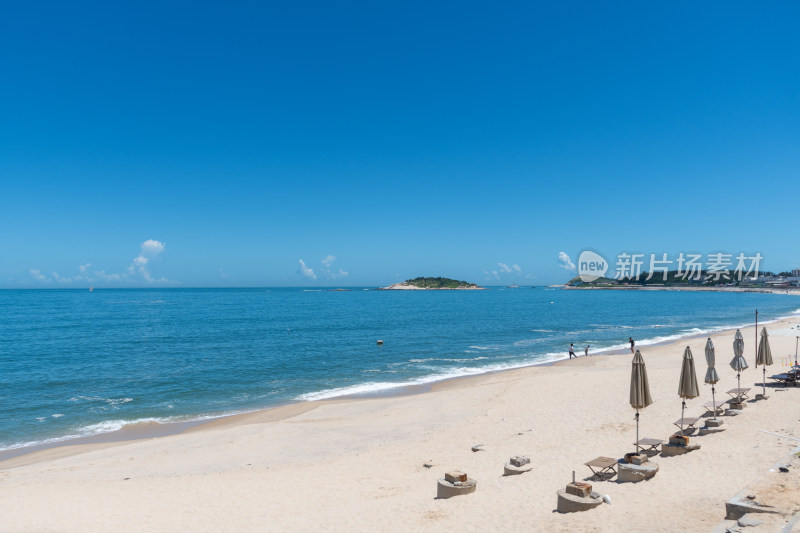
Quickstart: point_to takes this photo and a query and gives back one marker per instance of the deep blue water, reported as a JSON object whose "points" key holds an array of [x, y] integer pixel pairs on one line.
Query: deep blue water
{"points": [[76, 363]]}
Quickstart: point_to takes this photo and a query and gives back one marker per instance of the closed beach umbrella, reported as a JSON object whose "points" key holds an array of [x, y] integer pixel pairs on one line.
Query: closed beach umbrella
{"points": [[764, 356], [687, 386], [711, 373], [640, 389], [738, 363]]}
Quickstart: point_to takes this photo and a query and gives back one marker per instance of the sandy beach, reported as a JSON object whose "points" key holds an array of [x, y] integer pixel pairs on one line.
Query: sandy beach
{"points": [[358, 464]]}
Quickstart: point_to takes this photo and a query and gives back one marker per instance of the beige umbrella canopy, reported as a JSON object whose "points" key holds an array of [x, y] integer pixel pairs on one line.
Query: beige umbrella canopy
{"points": [[764, 356], [711, 373], [687, 386], [640, 389], [738, 363]]}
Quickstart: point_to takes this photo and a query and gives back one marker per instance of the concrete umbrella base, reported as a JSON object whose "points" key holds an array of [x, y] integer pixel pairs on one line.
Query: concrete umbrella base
{"points": [[446, 489]]}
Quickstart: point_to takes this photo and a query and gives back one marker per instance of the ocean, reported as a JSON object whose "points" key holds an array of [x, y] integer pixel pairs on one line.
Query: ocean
{"points": [[75, 363]]}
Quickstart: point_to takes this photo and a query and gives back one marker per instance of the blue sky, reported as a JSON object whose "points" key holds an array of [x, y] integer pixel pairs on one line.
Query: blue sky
{"points": [[202, 144]]}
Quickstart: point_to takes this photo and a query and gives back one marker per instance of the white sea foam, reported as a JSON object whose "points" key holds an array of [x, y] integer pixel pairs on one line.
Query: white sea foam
{"points": [[108, 426], [447, 359], [113, 402], [382, 386]]}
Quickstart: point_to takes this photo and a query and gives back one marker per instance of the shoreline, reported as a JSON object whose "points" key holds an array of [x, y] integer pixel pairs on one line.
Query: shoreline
{"points": [[372, 463], [135, 430]]}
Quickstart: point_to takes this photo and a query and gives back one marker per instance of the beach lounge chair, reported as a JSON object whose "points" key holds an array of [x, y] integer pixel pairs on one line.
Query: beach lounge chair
{"points": [[785, 379], [649, 446], [604, 468], [709, 406], [687, 422]]}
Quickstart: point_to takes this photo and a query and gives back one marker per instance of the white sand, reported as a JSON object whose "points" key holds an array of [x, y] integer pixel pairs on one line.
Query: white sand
{"points": [[358, 465]]}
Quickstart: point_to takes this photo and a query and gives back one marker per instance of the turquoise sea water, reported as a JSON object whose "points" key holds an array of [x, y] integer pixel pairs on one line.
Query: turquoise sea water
{"points": [[76, 363]]}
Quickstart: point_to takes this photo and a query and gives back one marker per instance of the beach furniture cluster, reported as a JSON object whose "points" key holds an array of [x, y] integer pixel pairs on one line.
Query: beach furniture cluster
{"points": [[635, 467]]}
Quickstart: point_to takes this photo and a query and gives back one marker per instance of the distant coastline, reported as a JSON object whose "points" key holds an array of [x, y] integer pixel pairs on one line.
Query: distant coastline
{"points": [[767, 290]]}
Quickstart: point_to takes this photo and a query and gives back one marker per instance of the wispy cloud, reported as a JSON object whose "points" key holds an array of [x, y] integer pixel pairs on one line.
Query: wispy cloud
{"points": [[327, 271], [502, 269], [137, 271], [565, 262], [61, 279], [38, 276], [306, 271], [101, 275], [223, 274]]}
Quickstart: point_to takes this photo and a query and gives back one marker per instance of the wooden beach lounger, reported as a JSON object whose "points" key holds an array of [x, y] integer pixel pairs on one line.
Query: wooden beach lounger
{"points": [[688, 422], [605, 466], [649, 446], [709, 406]]}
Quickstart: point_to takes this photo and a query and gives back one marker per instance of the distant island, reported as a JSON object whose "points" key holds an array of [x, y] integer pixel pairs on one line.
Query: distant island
{"points": [[432, 284]]}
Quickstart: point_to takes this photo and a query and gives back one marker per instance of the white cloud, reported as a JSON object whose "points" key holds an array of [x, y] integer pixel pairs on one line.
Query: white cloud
{"points": [[63, 280], [516, 267], [101, 274], [504, 267], [38, 276], [566, 262], [327, 272], [152, 248], [223, 274], [138, 270], [495, 274], [306, 271]]}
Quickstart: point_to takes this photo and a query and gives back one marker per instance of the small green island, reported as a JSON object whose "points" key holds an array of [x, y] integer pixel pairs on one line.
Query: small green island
{"points": [[433, 284]]}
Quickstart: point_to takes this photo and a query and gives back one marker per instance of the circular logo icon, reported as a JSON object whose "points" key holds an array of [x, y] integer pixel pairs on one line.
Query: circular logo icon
{"points": [[591, 266]]}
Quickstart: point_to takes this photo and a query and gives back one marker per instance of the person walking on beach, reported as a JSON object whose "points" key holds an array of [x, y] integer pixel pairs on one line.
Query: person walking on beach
{"points": [[586, 351], [630, 339], [571, 351]]}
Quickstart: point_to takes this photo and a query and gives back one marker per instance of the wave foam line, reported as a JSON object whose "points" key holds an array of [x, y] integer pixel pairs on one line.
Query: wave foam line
{"points": [[109, 426], [379, 386]]}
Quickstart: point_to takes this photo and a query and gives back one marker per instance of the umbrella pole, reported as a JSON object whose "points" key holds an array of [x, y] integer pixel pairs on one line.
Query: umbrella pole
{"points": [[713, 402], [683, 406], [637, 432], [764, 384]]}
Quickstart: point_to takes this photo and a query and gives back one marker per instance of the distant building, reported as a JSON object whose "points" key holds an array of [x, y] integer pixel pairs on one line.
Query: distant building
{"points": [[796, 273]]}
